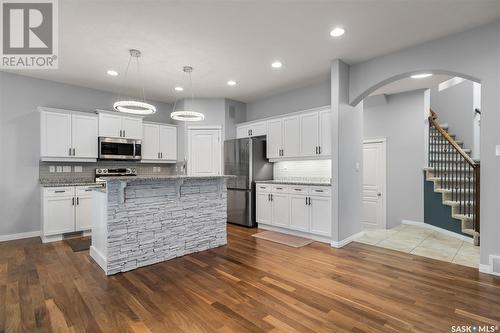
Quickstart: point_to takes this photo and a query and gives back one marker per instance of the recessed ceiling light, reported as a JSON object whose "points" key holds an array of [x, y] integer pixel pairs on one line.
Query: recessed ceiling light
{"points": [[231, 83], [112, 73], [337, 32], [421, 76], [179, 89], [276, 64]]}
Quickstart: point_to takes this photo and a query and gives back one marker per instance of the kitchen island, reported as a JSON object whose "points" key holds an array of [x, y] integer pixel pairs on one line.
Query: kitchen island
{"points": [[139, 221]]}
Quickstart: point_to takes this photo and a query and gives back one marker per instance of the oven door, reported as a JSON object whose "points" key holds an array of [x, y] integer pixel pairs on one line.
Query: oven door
{"points": [[119, 149]]}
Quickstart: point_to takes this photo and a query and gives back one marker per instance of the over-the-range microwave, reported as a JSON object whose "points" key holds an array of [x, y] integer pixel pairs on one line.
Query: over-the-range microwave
{"points": [[119, 149]]}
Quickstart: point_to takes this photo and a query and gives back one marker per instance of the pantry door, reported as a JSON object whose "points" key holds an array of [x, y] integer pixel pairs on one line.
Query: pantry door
{"points": [[374, 184], [204, 151]]}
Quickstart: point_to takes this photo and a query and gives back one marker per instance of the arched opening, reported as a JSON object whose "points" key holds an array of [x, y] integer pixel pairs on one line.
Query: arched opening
{"points": [[421, 170]]}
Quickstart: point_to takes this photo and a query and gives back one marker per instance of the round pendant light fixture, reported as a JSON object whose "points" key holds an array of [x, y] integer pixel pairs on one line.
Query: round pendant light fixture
{"points": [[130, 106], [187, 115]]}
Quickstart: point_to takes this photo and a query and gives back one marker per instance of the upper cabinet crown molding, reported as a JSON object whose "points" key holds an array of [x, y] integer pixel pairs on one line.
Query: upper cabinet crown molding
{"points": [[281, 116]]}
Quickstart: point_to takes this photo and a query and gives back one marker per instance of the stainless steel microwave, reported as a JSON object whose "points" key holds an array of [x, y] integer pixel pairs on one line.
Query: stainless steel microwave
{"points": [[119, 149]]}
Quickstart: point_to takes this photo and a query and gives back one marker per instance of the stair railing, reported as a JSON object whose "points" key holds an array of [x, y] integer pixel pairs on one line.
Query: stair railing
{"points": [[458, 172]]}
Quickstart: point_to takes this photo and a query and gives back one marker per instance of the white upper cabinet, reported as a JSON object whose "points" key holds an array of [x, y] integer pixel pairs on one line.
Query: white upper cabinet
{"points": [[159, 143], [67, 135], [291, 139], [250, 130], [325, 132], [118, 126], [274, 138], [84, 135], [309, 134]]}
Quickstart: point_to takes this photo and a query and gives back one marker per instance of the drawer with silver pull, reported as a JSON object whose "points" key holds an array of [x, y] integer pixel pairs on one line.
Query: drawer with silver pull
{"points": [[59, 191], [320, 191], [299, 189], [86, 190], [280, 188], [263, 187]]}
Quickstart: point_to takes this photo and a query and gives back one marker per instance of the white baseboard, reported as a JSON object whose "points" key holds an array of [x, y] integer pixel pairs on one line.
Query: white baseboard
{"points": [[488, 269], [22, 235], [99, 259], [440, 230], [322, 239], [345, 241]]}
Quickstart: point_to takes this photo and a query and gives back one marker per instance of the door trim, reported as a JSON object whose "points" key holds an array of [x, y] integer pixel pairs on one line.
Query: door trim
{"points": [[383, 142]]}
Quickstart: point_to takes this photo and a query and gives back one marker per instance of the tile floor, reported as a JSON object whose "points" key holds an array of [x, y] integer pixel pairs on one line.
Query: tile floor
{"points": [[424, 242]]}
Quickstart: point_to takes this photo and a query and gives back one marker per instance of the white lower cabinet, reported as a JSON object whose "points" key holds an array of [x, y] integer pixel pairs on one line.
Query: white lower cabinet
{"points": [[65, 209], [301, 208]]}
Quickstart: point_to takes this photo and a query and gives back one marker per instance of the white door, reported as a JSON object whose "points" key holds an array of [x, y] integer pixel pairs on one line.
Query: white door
{"points": [[59, 214], [263, 207], [132, 127], [84, 130], [110, 125], [150, 142], [325, 132], [291, 137], [321, 216], [83, 212], [242, 132], [55, 130], [274, 138], [374, 175], [299, 213], [309, 134], [258, 129], [204, 151], [168, 142], [281, 209]]}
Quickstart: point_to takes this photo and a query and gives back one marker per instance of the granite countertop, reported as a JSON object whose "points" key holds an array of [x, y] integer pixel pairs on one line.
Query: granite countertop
{"points": [[61, 183], [293, 182], [162, 177]]}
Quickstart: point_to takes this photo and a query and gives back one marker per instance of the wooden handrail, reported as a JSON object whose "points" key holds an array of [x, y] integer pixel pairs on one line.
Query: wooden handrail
{"points": [[453, 143]]}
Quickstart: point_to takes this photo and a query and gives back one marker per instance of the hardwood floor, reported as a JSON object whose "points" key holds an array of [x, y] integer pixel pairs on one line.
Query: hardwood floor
{"points": [[250, 285]]}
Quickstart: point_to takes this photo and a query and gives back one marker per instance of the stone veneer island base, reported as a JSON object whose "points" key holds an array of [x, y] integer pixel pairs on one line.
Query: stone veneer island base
{"points": [[139, 221]]}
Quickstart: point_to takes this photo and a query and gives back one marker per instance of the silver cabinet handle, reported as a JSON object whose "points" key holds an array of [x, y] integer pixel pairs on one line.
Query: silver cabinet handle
{"points": [[306, 201], [316, 150], [279, 188], [161, 155], [297, 189], [77, 200], [124, 134], [318, 190], [69, 153], [73, 201], [310, 201], [319, 150], [59, 191], [74, 152]]}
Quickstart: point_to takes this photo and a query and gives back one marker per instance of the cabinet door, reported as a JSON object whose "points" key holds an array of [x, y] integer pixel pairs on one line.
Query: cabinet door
{"points": [[55, 132], [321, 216], [58, 214], [258, 129], [291, 137], [204, 151], [83, 212], [263, 208], [151, 142], [168, 142], [84, 130], [280, 209], [274, 138], [242, 132], [309, 134], [110, 125], [299, 213], [325, 132], [132, 127]]}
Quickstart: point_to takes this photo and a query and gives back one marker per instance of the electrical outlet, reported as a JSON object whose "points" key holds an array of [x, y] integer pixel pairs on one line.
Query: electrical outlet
{"points": [[158, 169], [497, 150], [52, 169], [59, 168], [78, 168], [66, 168]]}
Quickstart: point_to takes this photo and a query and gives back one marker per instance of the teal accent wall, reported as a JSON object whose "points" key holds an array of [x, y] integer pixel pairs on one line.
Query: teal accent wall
{"points": [[437, 214]]}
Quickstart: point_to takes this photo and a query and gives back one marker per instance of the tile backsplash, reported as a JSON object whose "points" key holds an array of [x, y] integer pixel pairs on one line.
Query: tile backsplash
{"points": [[311, 170], [85, 172]]}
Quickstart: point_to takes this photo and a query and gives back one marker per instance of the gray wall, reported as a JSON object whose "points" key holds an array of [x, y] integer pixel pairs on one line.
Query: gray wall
{"points": [[20, 137], [401, 121], [455, 106], [236, 112], [475, 55], [308, 97]]}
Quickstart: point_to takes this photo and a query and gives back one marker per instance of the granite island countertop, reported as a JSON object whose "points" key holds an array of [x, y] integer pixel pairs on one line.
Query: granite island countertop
{"points": [[292, 182], [161, 177]]}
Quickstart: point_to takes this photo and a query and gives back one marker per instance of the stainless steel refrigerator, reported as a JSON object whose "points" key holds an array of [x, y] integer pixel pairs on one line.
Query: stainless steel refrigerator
{"points": [[245, 159]]}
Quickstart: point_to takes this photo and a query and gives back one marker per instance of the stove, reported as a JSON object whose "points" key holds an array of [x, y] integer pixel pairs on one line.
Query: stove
{"points": [[101, 174]]}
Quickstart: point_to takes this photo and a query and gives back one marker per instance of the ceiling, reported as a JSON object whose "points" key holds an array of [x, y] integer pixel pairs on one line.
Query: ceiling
{"points": [[409, 84], [238, 40]]}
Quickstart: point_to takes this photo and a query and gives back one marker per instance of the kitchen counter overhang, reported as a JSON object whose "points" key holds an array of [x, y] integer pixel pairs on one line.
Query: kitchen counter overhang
{"points": [[140, 221]]}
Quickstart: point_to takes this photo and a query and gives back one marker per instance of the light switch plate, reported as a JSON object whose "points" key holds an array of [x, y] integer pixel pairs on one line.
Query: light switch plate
{"points": [[52, 169], [78, 168], [66, 168], [59, 168], [497, 150]]}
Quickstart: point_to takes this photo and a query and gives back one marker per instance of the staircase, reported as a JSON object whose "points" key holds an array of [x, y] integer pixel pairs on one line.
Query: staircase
{"points": [[455, 175]]}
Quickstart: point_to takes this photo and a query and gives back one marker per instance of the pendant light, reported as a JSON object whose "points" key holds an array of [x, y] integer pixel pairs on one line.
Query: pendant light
{"points": [[130, 106], [187, 115]]}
